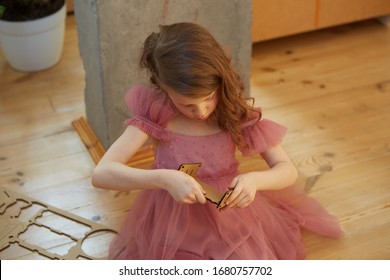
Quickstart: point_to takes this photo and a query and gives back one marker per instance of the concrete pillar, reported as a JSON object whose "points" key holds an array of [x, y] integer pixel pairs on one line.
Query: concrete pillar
{"points": [[110, 36]]}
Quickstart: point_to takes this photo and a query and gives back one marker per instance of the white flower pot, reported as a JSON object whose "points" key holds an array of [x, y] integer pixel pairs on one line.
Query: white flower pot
{"points": [[34, 45]]}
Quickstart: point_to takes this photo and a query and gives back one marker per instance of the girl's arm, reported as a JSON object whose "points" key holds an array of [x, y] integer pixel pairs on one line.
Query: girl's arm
{"points": [[113, 173], [282, 173]]}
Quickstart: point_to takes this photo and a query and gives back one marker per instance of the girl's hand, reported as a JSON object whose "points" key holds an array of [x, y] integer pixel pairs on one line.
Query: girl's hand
{"points": [[244, 191], [182, 187]]}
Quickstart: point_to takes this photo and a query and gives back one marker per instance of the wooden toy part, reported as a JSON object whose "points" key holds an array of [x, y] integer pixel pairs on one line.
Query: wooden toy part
{"points": [[24, 220], [212, 194]]}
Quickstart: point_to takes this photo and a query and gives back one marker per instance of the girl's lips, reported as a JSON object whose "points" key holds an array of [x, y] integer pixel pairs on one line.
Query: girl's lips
{"points": [[201, 118]]}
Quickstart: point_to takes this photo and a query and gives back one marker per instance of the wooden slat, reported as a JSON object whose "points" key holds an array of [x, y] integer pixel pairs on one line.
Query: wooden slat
{"points": [[88, 136], [96, 149]]}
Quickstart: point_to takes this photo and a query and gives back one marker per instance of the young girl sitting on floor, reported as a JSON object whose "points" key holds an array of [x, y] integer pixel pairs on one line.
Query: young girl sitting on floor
{"points": [[196, 112]]}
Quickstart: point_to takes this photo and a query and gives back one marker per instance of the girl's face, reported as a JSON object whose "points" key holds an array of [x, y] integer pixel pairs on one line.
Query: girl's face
{"points": [[196, 108]]}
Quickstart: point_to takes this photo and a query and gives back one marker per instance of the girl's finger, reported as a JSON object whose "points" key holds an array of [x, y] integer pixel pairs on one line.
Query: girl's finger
{"points": [[236, 200], [199, 196], [233, 183], [236, 191], [243, 202]]}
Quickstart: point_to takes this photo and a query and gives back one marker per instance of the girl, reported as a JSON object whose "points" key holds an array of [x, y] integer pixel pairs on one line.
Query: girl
{"points": [[197, 112]]}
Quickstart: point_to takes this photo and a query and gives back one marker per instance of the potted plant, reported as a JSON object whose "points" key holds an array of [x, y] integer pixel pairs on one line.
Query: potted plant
{"points": [[32, 33]]}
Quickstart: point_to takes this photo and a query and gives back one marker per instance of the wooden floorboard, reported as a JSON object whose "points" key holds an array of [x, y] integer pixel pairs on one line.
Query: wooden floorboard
{"points": [[330, 87]]}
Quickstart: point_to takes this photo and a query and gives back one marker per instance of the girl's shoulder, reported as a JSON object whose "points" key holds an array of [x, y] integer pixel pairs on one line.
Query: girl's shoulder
{"points": [[150, 108], [253, 117], [261, 134]]}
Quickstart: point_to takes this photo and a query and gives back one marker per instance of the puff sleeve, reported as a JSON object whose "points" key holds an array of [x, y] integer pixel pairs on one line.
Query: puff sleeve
{"points": [[151, 110], [260, 135]]}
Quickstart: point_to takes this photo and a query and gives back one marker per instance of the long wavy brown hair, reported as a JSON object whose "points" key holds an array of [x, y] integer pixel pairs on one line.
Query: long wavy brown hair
{"points": [[188, 59]]}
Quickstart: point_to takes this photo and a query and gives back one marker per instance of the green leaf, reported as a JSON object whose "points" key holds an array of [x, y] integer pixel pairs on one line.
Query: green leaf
{"points": [[2, 10]]}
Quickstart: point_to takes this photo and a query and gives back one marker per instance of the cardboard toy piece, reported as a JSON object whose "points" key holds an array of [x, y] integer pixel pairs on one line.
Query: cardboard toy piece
{"points": [[212, 194], [14, 225]]}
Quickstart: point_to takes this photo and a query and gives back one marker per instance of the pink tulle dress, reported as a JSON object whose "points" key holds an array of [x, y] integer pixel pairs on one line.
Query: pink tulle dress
{"points": [[158, 227]]}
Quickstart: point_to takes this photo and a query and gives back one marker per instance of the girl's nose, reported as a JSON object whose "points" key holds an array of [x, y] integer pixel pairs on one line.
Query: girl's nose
{"points": [[200, 111]]}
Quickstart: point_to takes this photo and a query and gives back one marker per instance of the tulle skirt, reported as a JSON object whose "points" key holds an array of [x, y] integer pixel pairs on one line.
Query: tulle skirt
{"points": [[157, 227]]}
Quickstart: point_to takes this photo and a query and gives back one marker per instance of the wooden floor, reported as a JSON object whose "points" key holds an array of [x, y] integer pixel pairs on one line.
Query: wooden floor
{"points": [[330, 87]]}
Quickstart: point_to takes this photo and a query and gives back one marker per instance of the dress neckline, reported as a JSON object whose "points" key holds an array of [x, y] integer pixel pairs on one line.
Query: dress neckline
{"points": [[178, 134]]}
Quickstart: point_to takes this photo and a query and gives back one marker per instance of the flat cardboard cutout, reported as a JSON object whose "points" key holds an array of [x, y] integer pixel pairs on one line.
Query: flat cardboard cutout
{"points": [[22, 218]]}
